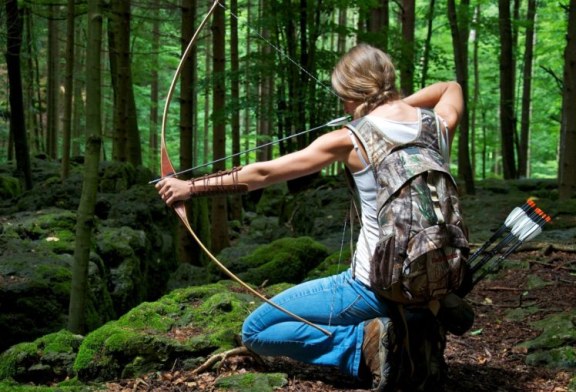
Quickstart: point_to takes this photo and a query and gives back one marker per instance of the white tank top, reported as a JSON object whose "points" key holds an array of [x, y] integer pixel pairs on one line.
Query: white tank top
{"points": [[401, 132]]}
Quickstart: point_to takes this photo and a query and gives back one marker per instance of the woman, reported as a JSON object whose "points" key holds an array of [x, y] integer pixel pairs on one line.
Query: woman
{"points": [[364, 341]]}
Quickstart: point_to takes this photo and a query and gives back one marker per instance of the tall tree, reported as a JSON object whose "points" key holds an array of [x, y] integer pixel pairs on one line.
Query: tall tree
{"points": [[188, 250], [460, 29], [17, 124], [406, 61], [187, 83], [567, 160], [153, 151], [53, 90], [427, 43], [127, 146], [507, 82], [85, 215], [526, 91], [219, 225], [32, 99], [68, 88], [235, 200], [266, 86], [379, 24]]}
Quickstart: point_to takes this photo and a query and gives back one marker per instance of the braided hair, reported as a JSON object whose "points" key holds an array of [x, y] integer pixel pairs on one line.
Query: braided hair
{"points": [[367, 75]]}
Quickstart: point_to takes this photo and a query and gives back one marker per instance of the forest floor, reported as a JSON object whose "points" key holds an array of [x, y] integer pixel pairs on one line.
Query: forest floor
{"points": [[484, 359]]}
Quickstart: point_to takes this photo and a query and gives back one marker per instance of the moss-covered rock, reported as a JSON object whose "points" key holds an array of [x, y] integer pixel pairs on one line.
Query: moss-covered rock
{"points": [[48, 359], [252, 382], [34, 295], [555, 346], [284, 260], [185, 325], [9, 187]]}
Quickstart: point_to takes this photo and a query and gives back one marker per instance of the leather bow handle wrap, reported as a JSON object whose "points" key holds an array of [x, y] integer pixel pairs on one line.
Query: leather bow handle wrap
{"points": [[167, 169]]}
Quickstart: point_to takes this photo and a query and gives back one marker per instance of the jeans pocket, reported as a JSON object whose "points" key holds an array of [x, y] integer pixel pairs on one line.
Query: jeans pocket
{"points": [[358, 310]]}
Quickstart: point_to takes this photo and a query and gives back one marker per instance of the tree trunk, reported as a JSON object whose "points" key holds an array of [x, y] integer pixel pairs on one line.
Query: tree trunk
{"points": [[188, 250], [235, 200], [507, 82], [32, 118], [126, 133], [153, 140], [426, 54], [78, 129], [406, 60], [68, 89], [475, 37], [187, 83], [567, 160], [265, 90], [85, 216], [523, 161], [219, 225], [459, 27], [53, 83], [379, 24], [17, 125]]}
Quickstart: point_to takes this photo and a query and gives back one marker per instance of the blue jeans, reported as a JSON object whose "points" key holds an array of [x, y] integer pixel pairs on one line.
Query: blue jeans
{"points": [[337, 303]]}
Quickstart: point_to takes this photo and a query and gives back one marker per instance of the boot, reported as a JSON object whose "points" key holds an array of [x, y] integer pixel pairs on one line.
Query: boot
{"points": [[381, 353]]}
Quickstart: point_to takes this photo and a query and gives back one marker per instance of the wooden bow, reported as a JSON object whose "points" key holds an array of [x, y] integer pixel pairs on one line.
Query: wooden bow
{"points": [[167, 169]]}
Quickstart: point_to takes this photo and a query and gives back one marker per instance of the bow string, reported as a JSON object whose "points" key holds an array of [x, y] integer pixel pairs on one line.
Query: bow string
{"points": [[167, 170]]}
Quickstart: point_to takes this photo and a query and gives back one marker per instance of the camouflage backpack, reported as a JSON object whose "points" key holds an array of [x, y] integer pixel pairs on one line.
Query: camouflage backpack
{"points": [[422, 249]]}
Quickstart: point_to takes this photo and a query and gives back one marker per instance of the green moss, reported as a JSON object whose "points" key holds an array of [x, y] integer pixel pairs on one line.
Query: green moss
{"points": [[557, 330], [284, 260], [15, 359], [9, 187], [151, 316], [10, 359], [558, 358], [252, 382]]}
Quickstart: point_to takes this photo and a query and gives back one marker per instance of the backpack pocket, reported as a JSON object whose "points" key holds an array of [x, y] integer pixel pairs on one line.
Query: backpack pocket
{"points": [[433, 265]]}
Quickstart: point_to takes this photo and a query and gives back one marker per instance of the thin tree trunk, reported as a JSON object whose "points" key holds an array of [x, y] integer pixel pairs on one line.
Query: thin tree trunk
{"points": [[523, 162], [188, 250], [235, 200], [31, 116], [265, 92], [53, 82], [153, 149], [407, 48], [17, 125], [507, 82], [85, 216], [187, 83], [219, 225], [248, 125], [68, 89], [426, 54], [78, 130], [476, 95], [459, 27], [567, 159], [127, 136]]}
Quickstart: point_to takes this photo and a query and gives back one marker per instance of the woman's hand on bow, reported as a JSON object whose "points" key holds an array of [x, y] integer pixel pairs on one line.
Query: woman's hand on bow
{"points": [[172, 190]]}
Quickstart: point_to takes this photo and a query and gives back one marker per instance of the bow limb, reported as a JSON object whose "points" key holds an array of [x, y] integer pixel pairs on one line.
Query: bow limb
{"points": [[167, 170]]}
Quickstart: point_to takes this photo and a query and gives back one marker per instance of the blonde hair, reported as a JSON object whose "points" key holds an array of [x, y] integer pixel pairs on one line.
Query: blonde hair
{"points": [[366, 75]]}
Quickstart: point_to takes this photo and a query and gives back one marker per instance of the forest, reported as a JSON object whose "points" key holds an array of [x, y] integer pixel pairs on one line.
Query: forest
{"points": [[100, 84]]}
